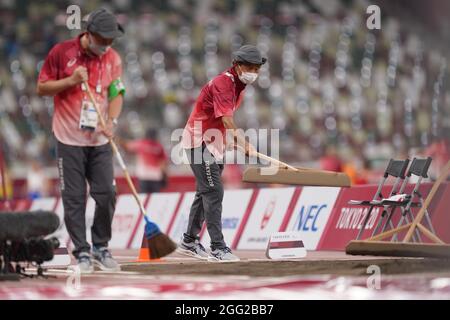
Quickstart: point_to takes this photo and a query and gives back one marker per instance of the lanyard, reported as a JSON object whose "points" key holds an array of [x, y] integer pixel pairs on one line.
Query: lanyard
{"points": [[98, 88], [235, 89], [87, 65]]}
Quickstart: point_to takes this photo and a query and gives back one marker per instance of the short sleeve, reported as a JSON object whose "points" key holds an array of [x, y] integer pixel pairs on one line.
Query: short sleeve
{"points": [[117, 66], [49, 70], [222, 90]]}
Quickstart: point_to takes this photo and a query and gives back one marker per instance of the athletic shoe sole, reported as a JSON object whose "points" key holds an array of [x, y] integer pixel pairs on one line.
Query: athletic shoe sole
{"points": [[87, 271], [191, 254], [214, 258], [78, 269], [218, 260]]}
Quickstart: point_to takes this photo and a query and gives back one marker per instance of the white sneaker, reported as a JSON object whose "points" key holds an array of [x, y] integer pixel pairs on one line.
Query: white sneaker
{"points": [[104, 260], [193, 249], [85, 264], [223, 254]]}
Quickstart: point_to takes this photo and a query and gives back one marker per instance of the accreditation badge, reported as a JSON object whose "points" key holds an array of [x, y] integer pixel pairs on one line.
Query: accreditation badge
{"points": [[88, 116]]}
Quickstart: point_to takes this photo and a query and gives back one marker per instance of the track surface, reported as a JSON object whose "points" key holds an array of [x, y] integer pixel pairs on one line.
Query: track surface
{"points": [[321, 275]]}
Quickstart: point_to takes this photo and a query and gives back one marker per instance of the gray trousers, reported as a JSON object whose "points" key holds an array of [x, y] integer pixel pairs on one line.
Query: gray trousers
{"points": [[207, 205], [76, 165]]}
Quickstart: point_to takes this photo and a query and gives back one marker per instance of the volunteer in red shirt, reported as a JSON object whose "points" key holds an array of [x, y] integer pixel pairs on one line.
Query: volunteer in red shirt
{"points": [[83, 152], [204, 140], [151, 164]]}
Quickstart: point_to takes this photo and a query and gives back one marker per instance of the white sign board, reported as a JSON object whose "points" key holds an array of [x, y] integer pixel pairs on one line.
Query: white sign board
{"points": [[286, 245], [311, 213], [266, 217]]}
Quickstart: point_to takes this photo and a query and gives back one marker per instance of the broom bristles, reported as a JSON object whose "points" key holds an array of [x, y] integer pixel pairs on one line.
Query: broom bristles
{"points": [[160, 245]]}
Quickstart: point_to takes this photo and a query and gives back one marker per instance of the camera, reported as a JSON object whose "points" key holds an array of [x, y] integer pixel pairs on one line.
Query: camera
{"points": [[36, 250], [31, 250]]}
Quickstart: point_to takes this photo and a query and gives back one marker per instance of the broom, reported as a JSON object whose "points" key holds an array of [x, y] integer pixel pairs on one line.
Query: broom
{"points": [[3, 177], [297, 176], [159, 244]]}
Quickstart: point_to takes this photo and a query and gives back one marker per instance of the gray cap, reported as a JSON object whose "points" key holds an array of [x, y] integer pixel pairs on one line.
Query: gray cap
{"points": [[249, 54], [104, 23]]}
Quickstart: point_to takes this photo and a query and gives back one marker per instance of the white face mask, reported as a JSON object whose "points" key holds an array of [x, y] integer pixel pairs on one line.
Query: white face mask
{"points": [[96, 48], [247, 77]]}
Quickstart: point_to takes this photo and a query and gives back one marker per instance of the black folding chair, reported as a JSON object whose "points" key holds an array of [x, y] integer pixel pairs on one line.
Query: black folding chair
{"points": [[418, 168], [389, 207], [395, 168]]}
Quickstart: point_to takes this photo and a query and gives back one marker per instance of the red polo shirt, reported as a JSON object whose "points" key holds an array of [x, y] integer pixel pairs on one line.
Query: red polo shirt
{"points": [[60, 63], [150, 155], [220, 97]]}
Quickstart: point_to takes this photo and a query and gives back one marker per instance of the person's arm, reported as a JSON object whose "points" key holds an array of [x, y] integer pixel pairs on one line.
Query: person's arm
{"points": [[238, 139], [164, 166], [114, 110], [53, 87], [116, 92], [115, 107], [223, 99], [164, 163]]}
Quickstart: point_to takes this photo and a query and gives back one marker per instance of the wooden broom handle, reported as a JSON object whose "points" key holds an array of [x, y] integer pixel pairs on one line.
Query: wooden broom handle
{"points": [[427, 201], [276, 162], [3, 176], [298, 169], [116, 151]]}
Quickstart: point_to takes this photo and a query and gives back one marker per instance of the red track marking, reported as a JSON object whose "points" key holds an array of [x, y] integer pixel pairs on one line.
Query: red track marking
{"points": [[290, 209], [56, 204], [172, 221], [138, 223], [245, 218], [203, 230]]}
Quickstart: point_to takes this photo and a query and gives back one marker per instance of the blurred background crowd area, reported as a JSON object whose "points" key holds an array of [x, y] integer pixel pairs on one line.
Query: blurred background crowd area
{"points": [[344, 97]]}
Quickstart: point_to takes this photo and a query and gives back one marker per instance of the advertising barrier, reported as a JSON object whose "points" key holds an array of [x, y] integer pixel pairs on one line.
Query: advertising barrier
{"points": [[311, 214], [347, 219], [266, 217], [322, 215], [235, 204]]}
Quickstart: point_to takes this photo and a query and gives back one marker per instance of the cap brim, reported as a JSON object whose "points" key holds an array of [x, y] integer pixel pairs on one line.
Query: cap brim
{"points": [[238, 56], [111, 34], [258, 62]]}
